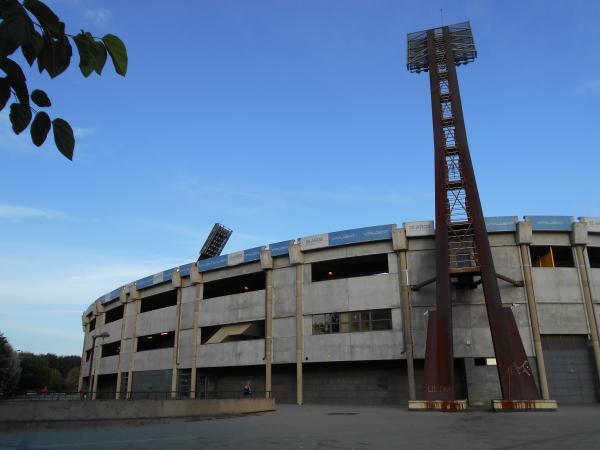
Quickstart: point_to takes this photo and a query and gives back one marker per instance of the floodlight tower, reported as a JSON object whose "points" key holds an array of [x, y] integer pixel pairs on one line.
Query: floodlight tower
{"points": [[215, 242], [462, 245]]}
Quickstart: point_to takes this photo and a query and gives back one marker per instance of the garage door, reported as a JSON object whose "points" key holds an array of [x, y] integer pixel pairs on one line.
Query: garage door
{"points": [[569, 368]]}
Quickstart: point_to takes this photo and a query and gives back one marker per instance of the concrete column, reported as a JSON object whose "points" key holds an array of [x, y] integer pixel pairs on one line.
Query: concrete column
{"points": [[196, 278], [266, 261], [86, 324], [297, 259], [97, 353], [400, 244], [579, 240], [524, 239], [175, 363], [134, 296], [123, 299]]}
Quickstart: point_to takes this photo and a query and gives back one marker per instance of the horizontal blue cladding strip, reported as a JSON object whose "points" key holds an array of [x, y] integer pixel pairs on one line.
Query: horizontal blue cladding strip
{"points": [[144, 282], [280, 248], [89, 310], [168, 274], [377, 233], [252, 254], [551, 223], [212, 263], [115, 294], [501, 223], [184, 271]]}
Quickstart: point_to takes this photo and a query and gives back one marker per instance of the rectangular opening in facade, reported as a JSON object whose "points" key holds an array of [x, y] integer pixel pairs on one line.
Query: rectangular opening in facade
{"points": [[351, 322], [358, 266], [234, 285], [484, 361], [88, 354], [166, 339], [92, 325], [111, 349], [594, 257], [114, 314], [232, 332], [551, 256], [158, 301]]}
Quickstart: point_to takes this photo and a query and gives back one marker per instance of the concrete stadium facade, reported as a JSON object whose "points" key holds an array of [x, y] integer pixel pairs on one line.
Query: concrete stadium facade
{"points": [[341, 318]]}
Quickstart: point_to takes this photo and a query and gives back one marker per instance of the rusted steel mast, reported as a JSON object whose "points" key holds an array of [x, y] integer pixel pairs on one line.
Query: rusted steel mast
{"points": [[462, 245]]}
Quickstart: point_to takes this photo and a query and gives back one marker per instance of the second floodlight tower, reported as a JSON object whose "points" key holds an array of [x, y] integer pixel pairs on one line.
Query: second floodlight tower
{"points": [[462, 245]]}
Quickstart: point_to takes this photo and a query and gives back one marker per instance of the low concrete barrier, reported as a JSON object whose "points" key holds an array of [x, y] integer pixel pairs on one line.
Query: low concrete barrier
{"points": [[78, 410]]}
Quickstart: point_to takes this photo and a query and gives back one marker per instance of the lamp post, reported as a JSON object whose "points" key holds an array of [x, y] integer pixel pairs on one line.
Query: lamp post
{"points": [[102, 335]]}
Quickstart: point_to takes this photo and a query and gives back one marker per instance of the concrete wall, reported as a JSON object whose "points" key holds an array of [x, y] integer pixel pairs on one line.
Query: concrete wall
{"points": [[75, 410]]}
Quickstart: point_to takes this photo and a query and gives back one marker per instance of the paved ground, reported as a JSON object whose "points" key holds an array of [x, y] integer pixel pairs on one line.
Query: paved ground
{"points": [[336, 427]]}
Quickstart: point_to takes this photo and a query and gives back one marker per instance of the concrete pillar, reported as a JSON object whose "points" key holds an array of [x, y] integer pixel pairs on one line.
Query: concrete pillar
{"points": [[524, 238], [400, 245], [97, 352], [85, 320], [579, 240], [134, 296], [123, 300], [266, 261], [297, 259], [175, 362], [196, 278]]}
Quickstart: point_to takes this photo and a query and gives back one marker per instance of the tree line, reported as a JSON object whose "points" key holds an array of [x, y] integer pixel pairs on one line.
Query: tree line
{"points": [[25, 371]]}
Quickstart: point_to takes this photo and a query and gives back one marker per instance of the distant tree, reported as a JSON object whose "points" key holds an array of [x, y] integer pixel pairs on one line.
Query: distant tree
{"points": [[56, 381], [35, 372], [72, 380], [10, 368], [33, 27]]}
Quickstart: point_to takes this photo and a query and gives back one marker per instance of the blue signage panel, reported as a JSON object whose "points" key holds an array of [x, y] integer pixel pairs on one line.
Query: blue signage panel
{"points": [[217, 262], [167, 275], [89, 310], [184, 270], [500, 223], [144, 282], [280, 248], [551, 223], [252, 254], [377, 233]]}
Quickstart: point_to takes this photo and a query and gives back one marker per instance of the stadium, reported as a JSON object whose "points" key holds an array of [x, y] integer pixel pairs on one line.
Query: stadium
{"points": [[341, 318]]}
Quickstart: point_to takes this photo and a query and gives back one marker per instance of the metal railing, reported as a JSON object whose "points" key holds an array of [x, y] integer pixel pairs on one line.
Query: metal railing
{"points": [[135, 395]]}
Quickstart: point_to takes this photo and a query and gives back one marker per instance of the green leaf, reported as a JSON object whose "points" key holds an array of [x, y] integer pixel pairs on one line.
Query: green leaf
{"points": [[40, 128], [55, 56], [85, 46], [4, 92], [16, 79], [117, 51], [99, 56], [20, 116], [33, 49], [45, 16], [63, 137], [40, 98], [16, 28]]}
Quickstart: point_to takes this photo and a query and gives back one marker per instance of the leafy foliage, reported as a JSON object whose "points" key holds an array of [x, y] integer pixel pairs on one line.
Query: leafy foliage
{"points": [[43, 39], [10, 368], [72, 380]]}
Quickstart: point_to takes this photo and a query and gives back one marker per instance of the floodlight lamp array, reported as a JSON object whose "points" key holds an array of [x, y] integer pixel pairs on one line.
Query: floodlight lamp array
{"points": [[461, 42], [215, 243]]}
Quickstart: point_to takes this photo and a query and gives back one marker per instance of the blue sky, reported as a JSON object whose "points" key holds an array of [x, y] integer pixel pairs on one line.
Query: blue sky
{"points": [[279, 119]]}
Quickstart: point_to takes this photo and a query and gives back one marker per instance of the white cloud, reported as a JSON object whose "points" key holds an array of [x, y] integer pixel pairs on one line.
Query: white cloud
{"points": [[591, 87], [17, 212], [98, 16], [82, 132]]}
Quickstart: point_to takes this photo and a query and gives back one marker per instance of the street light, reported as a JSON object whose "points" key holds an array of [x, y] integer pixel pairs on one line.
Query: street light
{"points": [[102, 335]]}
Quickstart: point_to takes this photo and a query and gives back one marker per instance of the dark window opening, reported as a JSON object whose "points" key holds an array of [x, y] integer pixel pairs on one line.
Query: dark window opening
{"points": [[92, 325], [88, 354], [350, 322], [358, 266], [165, 339], [551, 256], [594, 257], [158, 301], [484, 361], [234, 285], [114, 348], [114, 314], [232, 332]]}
